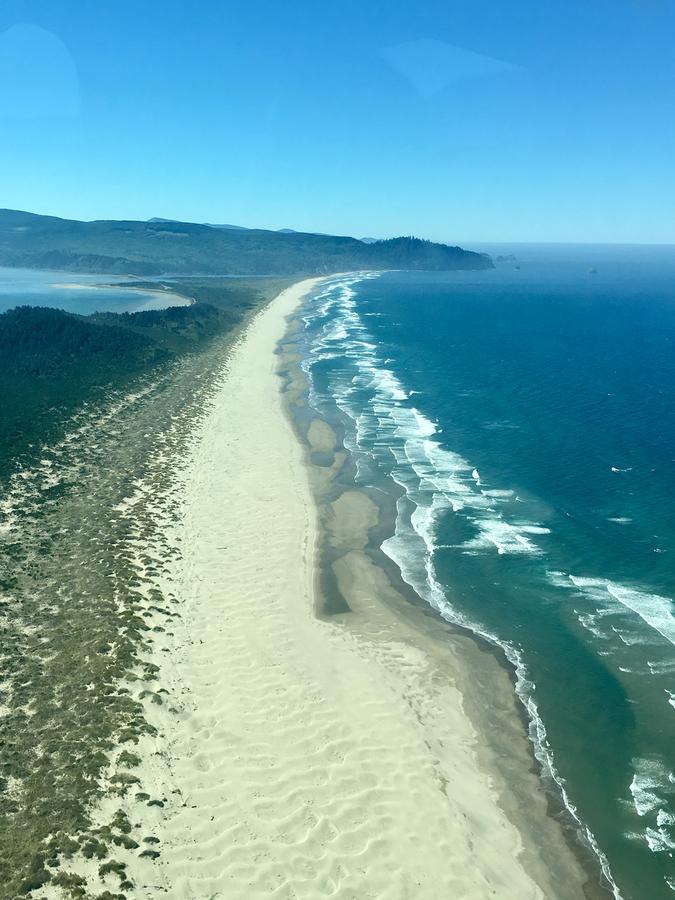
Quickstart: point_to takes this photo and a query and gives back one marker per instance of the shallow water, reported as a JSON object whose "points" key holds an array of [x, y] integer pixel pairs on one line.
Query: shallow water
{"points": [[524, 420], [77, 292]]}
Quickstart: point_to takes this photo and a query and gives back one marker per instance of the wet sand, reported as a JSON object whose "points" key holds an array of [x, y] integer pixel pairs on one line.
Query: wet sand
{"points": [[298, 755]]}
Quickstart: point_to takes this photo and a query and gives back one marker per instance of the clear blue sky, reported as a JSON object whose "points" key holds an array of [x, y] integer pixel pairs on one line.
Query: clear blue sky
{"points": [[456, 121]]}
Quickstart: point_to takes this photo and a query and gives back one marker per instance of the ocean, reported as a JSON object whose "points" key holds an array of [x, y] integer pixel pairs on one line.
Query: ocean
{"points": [[77, 293], [521, 422]]}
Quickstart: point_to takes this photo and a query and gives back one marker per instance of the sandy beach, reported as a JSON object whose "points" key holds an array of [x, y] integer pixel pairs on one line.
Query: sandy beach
{"points": [[298, 755]]}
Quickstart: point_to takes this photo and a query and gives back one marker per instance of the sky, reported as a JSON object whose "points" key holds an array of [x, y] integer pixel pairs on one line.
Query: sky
{"points": [[460, 122]]}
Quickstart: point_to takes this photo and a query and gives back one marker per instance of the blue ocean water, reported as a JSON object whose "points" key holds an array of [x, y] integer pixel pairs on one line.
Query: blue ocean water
{"points": [[76, 293], [524, 418]]}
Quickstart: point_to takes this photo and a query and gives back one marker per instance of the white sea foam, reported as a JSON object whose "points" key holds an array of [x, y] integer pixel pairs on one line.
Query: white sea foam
{"points": [[527, 528], [435, 481], [648, 789], [653, 610], [661, 667], [653, 794], [337, 333], [630, 638], [503, 536], [658, 841], [649, 775], [589, 622], [401, 550]]}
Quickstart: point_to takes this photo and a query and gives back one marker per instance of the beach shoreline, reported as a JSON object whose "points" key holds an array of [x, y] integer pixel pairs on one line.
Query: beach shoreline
{"points": [[358, 585], [294, 754]]}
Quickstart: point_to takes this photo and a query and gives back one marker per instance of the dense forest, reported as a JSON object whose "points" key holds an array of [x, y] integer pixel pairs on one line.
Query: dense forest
{"points": [[175, 248], [54, 361]]}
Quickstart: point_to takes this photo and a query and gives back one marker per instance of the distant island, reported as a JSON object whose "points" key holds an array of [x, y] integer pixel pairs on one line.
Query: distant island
{"points": [[164, 247]]}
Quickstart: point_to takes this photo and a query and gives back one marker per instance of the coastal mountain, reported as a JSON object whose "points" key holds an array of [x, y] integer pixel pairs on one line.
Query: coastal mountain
{"points": [[161, 247], [156, 219]]}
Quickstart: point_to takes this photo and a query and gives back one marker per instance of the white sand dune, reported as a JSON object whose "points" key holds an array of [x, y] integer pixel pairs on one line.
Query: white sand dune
{"points": [[297, 758]]}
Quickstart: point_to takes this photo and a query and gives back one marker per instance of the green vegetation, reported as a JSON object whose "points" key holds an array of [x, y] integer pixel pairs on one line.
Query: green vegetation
{"points": [[54, 361], [174, 248], [78, 606]]}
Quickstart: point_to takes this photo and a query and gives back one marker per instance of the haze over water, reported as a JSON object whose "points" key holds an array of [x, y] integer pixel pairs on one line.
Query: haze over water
{"points": [[525, 420]]}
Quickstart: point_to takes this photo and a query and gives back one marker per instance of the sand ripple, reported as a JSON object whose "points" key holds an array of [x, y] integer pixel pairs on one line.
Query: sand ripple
{"points": [[295, 758]]}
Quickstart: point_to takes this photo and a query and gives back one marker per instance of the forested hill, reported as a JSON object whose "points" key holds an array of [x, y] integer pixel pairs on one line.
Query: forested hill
{"points": [[181, 248], [54, 361]]}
